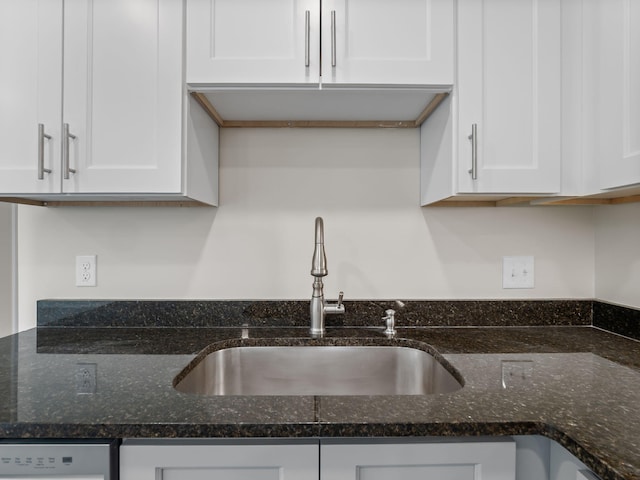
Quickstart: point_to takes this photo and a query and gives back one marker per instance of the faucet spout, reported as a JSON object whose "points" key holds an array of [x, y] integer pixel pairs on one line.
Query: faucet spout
{"points": [[318, 307], [319, 261]]}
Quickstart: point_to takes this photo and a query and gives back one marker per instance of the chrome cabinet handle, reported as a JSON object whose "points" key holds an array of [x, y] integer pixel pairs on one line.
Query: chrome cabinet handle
{"points": [[41, 138], [333, 38], [474, 151], [66, 135], [307, 34]]}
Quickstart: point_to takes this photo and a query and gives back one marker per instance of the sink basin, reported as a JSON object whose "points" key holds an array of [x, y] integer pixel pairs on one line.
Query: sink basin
{"points": [[317, 370]]}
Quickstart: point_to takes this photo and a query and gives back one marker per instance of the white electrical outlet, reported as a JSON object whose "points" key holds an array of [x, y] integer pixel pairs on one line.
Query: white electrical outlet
{"points": [[86, 273], [517, 272]]}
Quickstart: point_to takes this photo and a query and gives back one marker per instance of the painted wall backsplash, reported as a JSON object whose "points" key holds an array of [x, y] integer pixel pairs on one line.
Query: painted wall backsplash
{"points": [[258, 244], [617, 240]]}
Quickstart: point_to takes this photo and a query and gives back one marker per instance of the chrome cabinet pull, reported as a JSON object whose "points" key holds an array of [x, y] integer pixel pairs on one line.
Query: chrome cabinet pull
{"points": [[333, 38], [66, 135], [307, 34], [474, 151], [41, 138]]}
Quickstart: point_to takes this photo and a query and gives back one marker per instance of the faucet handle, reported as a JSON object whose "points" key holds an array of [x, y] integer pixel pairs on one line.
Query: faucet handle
{"points": [[334, 307]]}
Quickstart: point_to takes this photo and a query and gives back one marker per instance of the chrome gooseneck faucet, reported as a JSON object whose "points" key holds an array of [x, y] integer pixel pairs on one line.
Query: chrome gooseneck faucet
{"points": [[319, 308]]}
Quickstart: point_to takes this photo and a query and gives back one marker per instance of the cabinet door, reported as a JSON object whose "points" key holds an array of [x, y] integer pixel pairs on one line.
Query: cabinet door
{"points": [[123, 95], [418, 461], [30, 94], [617, 74], [253, 41], [565, 466], [509, 85], [408, 42], [226, 462]]}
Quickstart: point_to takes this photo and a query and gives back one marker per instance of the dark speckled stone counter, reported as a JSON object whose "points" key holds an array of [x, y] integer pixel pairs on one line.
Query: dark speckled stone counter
{"points": [[582, 390], [295, 313]]}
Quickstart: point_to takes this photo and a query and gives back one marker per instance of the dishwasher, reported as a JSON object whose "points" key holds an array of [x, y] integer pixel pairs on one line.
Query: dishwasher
{"points": [[58, 460]]}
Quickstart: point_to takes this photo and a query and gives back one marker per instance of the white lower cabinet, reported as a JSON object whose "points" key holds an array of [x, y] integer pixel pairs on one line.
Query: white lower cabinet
{"points": [[224, 460], [565, 466], [539, 458], [318, 460], [455, 460]]}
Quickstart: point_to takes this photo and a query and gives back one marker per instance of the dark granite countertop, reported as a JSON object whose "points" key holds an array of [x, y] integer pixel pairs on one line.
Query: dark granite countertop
{"points": [[583, 391]]}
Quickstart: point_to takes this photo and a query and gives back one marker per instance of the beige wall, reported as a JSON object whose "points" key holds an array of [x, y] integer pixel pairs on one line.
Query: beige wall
{"points": [[258, 243], [617, 256], [5, 270]]}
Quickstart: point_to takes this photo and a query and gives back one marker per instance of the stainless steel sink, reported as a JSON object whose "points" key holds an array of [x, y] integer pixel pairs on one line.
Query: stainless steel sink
{"points": [[318, 370]]}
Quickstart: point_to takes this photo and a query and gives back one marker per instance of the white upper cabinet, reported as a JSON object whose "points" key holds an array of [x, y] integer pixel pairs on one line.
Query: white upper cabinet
{"points": [[253, 41], [294, 42], [122, 96], [612, 50], [501, 132], [380, 42], [30, 95], [509, 85], [94, 107]]}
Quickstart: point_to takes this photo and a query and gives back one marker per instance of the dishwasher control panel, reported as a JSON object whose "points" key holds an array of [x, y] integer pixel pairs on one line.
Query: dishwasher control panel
{"points": [[33, 460]]}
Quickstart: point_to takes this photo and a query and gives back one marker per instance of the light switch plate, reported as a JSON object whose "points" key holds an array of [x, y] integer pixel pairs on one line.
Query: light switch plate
{"points": [[518, 272]]}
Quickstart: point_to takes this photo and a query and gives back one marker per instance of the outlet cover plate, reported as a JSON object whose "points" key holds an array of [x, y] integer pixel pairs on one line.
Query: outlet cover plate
{"points": [[518, 272], [86, 273]]}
